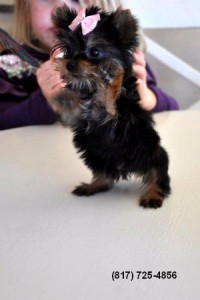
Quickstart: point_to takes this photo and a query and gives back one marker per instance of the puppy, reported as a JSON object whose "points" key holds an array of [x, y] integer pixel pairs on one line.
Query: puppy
{"points": [[100, 101]]}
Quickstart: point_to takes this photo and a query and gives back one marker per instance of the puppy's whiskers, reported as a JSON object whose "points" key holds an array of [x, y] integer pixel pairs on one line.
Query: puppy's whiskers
{"points": [[85, 87]]}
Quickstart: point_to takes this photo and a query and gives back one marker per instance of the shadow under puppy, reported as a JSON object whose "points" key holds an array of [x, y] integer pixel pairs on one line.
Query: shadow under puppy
{"points": [[115, 136]]}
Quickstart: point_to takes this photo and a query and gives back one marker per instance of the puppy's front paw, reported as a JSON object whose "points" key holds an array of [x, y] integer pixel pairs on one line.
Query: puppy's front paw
{"points": [[151, 202]]}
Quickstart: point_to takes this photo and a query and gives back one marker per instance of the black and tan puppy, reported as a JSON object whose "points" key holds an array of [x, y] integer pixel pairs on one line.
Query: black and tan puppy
{"points": [[114, 135]]}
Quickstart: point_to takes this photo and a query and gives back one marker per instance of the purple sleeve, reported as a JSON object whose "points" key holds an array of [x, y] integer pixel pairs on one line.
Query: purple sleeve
{"points": [[32, 111], [164, 101]]}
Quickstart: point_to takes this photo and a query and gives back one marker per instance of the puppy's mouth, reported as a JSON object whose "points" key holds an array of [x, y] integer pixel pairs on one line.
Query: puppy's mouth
{"points": [[85, 88]]}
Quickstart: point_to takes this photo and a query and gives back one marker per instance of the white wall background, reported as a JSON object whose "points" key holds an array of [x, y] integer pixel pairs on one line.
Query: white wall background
{"points": [[165, 13]]}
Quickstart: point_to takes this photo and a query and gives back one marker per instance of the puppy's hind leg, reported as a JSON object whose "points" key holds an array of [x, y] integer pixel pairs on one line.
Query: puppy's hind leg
{"points": [[100, 183], [157, 182]]}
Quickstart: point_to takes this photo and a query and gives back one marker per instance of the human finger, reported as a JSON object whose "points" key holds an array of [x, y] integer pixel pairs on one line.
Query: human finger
{"points": [[139, 58], [139, 72]]}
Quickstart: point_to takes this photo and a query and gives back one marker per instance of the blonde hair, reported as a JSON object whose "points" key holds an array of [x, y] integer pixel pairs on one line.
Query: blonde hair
{"points": [[21, 30], [106, 5]]}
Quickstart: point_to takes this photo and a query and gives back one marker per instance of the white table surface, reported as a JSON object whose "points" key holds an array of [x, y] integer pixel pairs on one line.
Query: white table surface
{"points": [[56, 246]]}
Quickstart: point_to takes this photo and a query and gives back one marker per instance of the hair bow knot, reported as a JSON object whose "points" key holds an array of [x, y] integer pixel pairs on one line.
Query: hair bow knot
{"points": [[87, 23]]}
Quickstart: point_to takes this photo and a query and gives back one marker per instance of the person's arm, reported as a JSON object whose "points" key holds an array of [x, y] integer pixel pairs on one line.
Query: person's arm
{"points": [[152, 98], [163, 100], [32, 111], [19, 107]]}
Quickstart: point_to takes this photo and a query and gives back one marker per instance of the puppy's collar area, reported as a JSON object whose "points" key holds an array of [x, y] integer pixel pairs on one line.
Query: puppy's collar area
{"points": [[87, 23]]}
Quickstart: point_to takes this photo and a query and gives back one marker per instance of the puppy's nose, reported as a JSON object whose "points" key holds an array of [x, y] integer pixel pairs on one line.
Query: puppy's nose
{"points": [[71, 65]]}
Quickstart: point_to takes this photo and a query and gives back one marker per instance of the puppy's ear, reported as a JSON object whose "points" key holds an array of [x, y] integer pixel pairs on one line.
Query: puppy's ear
{"points": [[63, 17], [92, 10], [127, 26]]}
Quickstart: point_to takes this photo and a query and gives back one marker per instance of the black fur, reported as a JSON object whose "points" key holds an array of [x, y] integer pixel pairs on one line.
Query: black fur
{"points": [[124, 144]]}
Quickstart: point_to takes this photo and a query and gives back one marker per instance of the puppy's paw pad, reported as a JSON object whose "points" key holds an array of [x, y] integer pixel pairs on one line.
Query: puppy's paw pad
{"points": [[151, 202]]}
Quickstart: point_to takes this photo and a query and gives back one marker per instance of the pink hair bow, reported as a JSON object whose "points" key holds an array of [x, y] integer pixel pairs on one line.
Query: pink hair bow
{"points": [[87, 23]]}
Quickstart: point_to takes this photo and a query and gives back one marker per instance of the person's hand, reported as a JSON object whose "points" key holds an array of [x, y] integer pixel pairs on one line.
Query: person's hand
{"points": [[147, 97], [49, 81]]}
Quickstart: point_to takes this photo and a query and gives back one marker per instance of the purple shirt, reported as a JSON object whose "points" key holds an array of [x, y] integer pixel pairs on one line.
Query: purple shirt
{"points": [[164, 101], [22, 102]]}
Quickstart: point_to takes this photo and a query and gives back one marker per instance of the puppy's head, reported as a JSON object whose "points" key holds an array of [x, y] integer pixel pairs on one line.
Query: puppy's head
{"points": [[99, 60]]}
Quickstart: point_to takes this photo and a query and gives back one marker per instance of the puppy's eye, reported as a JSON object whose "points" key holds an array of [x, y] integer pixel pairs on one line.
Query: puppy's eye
{"points": [[94, 52]]}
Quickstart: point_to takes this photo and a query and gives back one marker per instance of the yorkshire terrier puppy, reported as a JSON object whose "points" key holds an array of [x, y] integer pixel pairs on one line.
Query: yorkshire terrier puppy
{"points": [[115, 136]]}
